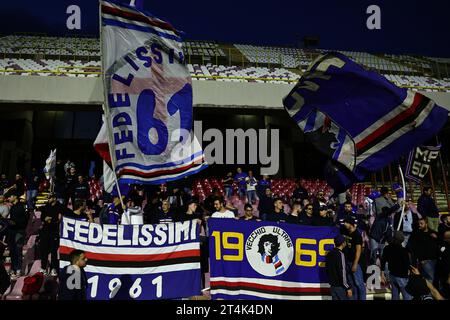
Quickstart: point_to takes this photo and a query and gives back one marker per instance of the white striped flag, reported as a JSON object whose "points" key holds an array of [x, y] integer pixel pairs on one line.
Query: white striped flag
{"points": [[139, 262], [148, 98]]}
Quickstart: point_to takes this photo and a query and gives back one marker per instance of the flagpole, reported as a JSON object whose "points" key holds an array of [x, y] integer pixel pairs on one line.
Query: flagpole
{"points": [[404, 196], [105, 107]]}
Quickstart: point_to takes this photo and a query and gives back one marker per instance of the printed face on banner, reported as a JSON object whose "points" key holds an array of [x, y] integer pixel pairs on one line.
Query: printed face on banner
{"points": [[269, 251]]}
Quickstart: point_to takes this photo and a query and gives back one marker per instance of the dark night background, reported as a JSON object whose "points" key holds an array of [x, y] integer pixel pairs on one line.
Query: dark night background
{"points": [[408, 26]]}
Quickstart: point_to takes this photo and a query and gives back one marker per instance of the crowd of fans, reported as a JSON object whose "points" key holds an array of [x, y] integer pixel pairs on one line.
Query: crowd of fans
{"points": [[415, 260]]}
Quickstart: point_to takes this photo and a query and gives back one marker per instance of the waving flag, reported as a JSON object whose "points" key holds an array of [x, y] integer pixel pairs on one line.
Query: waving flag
{"points": [[359, 119], [50, 165], [148, 108]]}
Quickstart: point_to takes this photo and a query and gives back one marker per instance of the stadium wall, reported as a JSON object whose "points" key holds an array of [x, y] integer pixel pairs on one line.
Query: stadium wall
{"points": [[89, 91]]}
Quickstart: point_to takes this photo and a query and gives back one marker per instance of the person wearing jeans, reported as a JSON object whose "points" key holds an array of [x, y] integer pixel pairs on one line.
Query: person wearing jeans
{"points": [[398, 259], [353, 255], [251, 183], [428, 268], [32, 187], [424, 246], [228, 185], [398, 285], [356, 280]]}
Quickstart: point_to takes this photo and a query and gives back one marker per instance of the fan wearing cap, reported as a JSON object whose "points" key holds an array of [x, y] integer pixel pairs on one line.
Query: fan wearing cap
{"points": [[335, 267], [323, 219], [51, 215], [352, 254]]}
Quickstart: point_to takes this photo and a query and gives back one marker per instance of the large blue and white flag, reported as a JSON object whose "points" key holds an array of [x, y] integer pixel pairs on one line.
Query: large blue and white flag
{"points": [[148, 107], [359, 119], [135, 262]]}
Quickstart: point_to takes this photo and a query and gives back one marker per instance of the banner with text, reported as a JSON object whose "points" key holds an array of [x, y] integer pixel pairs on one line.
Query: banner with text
{"points": [[140, 262], [419, 161], [262, 260]]}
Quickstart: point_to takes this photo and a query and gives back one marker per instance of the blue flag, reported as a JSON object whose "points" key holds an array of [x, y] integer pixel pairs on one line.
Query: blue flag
{"points": [[359, 119]]}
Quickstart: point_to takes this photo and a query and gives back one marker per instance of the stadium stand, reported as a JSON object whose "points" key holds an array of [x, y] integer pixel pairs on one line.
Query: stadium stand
{"points": [[201, 48], [80, 57], [286, 57]]}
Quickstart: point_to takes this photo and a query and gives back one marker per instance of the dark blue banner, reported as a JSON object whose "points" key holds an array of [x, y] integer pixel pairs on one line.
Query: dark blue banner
{"points": [[261, 260]]}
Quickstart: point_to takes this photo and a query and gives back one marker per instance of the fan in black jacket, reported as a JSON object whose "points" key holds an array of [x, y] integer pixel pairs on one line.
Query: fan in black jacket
{"points": [[73, 280], [335, 267]]}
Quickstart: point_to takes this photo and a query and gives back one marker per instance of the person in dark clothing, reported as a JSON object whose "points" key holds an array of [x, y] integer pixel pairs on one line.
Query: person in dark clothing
{"points": [[228, 184], [165, 215], [444, 226], [151, 209], [265, 204], [81, 189], [4, 183], [318, 202], [60, 176], [294, 216], [323, 219], [345, 211], [421, 288], [353, 253], [178, 199], [190, 214], [248, 213], [193, 214], [398, 260], [300, 193], [306, 216], [70, 181], [19, 185], [239, 178], [73, 280], [427, 208], [423, 245], [263, 184], [32, 187], [336, 271], [18, 220], [277, 214], [380, 232], [51, 215], [209, 201], [79, 212]]}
